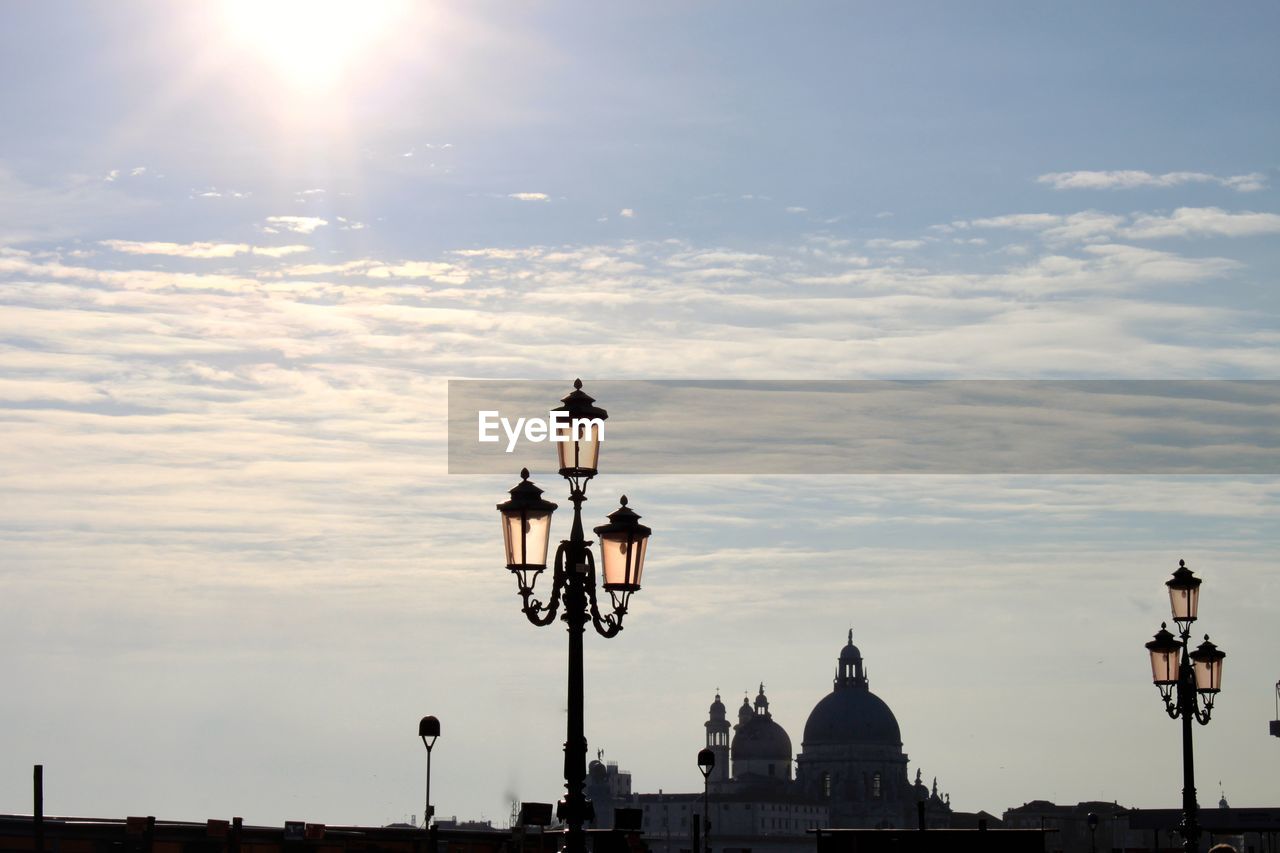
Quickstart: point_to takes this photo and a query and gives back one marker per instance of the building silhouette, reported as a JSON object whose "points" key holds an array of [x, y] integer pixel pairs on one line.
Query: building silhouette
{"points": [[851, 772]]}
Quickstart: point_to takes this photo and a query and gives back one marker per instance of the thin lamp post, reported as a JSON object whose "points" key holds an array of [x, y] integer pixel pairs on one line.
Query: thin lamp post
{"points": [[526, 530], [1188, 681], [706, 763], [428, 727]]}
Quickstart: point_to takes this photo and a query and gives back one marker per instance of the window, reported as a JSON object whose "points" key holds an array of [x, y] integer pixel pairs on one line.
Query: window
{"points": [[826, 786], [875, 786], [770, 769]]}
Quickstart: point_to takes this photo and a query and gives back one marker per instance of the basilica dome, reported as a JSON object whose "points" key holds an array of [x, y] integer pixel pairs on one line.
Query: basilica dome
{"points": [[851, 713]]}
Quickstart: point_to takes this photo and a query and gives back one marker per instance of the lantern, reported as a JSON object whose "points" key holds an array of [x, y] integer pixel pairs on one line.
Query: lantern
{"points": [[578, 435], [526, 529]]}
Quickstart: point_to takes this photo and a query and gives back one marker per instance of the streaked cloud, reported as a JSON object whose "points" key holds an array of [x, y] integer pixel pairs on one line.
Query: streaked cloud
{"points": [[1094, 226], [529, 196], [295, 224], [1132, 179], [200, 250], [885, 243], [1203, 221]]}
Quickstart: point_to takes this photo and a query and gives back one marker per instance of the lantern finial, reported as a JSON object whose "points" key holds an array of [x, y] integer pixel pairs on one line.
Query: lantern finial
{"points": [[524, 473], [577, 384]]}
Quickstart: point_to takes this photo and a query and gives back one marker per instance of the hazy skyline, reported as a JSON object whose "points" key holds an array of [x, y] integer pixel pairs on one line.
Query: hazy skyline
{"points": [[242, 250]]}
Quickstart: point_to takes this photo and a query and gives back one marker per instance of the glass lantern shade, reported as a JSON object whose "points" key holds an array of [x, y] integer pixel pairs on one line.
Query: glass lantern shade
{"points": [[578, 433], [526, 535], [1206, 663], [1165, 652], [623, 543], [578, 447], [526, 526], [1184, 594], [706, 761]]}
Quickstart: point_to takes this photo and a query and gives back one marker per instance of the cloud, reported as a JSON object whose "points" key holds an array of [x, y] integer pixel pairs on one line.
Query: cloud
{"points": [[884, 243], [529, 196], [199, 250], [1203, 221], [1016, 221], [214, 192], [627, 213], [1132, 179], [797, 210], [1093, 226], [296, 224]]}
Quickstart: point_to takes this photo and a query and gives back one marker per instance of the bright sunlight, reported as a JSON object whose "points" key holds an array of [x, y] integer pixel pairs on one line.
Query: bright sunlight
{"points": [[312, 43]]}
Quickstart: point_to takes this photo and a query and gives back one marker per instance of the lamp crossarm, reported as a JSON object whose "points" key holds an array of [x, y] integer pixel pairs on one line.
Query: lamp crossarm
{"points": [[534, 610], [606, 625]]}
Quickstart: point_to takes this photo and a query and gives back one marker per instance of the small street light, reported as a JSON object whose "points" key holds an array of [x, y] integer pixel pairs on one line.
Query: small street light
{"points": [[1188, 682], [1093, 833], [428, 727], [706, 763], [526, 534]]}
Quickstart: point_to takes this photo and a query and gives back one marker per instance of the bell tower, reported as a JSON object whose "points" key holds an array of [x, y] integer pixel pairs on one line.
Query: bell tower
{"points": [[718, 740]]}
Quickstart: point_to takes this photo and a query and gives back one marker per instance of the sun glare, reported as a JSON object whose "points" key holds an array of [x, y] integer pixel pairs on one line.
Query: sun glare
{"points": [[312, 43]]}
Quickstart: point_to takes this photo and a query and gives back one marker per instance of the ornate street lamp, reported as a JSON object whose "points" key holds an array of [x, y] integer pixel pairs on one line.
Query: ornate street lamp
{"points": [[1188, 682], [526, 531], [428, 730], [706, 763]]}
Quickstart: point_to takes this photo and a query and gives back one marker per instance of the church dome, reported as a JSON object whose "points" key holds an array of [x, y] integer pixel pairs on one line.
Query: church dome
{"points": [[851, 713], [717, 708], [757, 736], [761, 738]]}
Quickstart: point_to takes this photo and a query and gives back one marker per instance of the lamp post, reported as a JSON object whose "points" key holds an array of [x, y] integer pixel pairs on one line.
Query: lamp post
{"points": [[526, 531], [428, 727], [1188, 682], [706, 763], [1093, 832]]}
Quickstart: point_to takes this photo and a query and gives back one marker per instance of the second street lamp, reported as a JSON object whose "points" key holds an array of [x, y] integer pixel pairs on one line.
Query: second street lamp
{"points": [[706, 763], [1189, 682], [526, 532], [428, 730]]}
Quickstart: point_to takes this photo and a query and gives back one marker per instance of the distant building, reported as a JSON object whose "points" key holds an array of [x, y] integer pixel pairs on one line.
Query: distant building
{"points": [[1118, 828], [851, 773], [607, 788]]}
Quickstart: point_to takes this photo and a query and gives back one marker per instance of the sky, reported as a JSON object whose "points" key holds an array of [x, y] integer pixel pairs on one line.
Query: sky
{"points": [[244, 247]]}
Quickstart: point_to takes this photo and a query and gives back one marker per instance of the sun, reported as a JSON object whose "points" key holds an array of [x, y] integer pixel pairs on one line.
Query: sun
{"points": [[312, 43]]}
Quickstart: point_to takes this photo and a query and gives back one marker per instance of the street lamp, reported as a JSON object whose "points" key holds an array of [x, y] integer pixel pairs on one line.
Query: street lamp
{"points": [[706, 763], [526, 532], [428, 727], [1093, 833], [1188, 682]]}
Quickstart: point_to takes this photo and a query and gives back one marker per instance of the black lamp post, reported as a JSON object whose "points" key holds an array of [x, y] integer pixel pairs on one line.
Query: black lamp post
{"points": [[526, 531], [1188, 682], [1093, 832], [428, 730], [706, 763]]}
